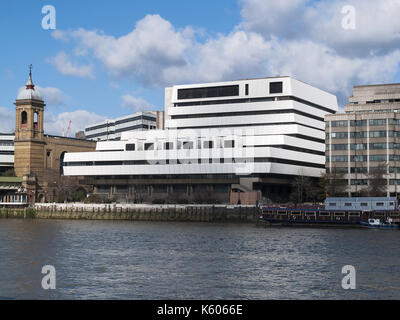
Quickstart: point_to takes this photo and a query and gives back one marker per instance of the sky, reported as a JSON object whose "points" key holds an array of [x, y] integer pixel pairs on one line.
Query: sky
{"points": [[107, 59]]}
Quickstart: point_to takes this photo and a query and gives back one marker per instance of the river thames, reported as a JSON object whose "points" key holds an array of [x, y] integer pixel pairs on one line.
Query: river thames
{"points": [[151, 260]]}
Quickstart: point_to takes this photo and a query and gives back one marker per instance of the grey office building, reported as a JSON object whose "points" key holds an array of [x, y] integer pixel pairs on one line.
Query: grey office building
{"points": [[365, 138]]}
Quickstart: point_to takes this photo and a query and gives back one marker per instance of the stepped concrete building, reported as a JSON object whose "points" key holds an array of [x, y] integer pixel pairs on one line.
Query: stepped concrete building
{"points": [[366, 138], [251, 135], [6, 152], [112, 129]]}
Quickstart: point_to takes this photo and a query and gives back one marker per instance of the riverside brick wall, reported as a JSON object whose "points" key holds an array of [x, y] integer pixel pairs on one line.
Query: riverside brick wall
{"points": [[206, 213]]}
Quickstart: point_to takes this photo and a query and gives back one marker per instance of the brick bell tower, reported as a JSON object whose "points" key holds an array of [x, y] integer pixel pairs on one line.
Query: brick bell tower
{"points": [[29, 141]]}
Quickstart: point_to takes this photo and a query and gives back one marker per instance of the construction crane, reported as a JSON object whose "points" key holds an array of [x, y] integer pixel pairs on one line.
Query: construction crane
{"points": [[68, 129]]}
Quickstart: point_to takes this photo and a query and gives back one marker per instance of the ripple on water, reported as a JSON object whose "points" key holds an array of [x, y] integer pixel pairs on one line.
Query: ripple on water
{"points": [[124, 260]]}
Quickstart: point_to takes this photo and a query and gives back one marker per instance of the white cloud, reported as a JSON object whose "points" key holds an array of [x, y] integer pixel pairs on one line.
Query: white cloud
{"points": [[56, 124], [321, 66], [65, 66], [145, 52], [301, 38], [377, 24], [136, 104], [272, 18], [7, 120]]}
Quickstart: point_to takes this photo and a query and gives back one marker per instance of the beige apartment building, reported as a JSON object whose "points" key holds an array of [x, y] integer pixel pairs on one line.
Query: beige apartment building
{"points": [[366, 138]]}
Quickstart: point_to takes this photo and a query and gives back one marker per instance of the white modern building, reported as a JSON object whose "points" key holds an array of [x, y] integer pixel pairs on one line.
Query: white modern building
{"points": [[246, 135], [112, 129], [6, 151]]}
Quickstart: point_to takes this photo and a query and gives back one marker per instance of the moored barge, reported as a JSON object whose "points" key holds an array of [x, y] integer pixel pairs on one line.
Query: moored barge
{"points": [[318, 216]]}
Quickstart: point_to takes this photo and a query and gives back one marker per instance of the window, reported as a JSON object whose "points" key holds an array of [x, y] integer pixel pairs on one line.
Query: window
{"points": [[339, 123], [247, 90], [393, 145], [275, 87], [168, 146], [358, 135], [358, 146], [377, 145], [377, 122], [24, 118], [393, 157], [208, 145], [359, 158], [339, 135], [358, 170], [380, 204], [149, 146], [364, 204], [210, 92], [35, 120], [377, 134], [378, 157], [229, 144], [339, 158], [332, 204], [188, 145], [130, 147], [359, 182], [358, 123]]}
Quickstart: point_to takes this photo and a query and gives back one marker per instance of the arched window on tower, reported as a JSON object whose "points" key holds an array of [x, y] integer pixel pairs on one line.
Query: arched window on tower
{"points": [[24, 119], [35, 121]]}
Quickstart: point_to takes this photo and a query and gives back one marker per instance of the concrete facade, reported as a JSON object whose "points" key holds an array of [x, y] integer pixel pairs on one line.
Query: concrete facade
{"points": [[6, 152], [245, 135], [366, 137]]}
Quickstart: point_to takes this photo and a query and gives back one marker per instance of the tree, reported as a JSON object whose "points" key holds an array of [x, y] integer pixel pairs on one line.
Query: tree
{"points": [[78, 195], [335, 182], [377, 181], [316, 191], [299, 185], [8, 173]]}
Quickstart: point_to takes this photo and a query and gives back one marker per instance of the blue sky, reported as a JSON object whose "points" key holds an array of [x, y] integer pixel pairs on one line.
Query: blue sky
{"points": [[110, 58]]}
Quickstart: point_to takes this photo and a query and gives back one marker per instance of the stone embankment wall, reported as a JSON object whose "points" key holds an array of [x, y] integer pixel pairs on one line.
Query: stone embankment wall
{"points": [[195, 213]]}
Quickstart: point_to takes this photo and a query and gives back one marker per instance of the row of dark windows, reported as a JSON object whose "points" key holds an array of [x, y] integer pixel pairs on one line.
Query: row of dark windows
{"points": [[223, 91], [363, 158], [363, 134], [194, 161], [245, 113], [247, 100], [249, 125], [182, 145], [227, 144], [364, 170], [6, 152], [364, 182], [140, 126], [291, 148], [384, 101], [361, 123], [106, 125], [208, 92], [363, 146], [6, 142], [135, 119]]}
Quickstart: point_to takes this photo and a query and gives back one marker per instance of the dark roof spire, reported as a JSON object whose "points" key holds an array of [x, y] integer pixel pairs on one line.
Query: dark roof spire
{"points": [[30, 84]]}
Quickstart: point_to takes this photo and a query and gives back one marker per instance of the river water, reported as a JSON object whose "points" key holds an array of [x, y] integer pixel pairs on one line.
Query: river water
{"points": [[151, 260]]}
